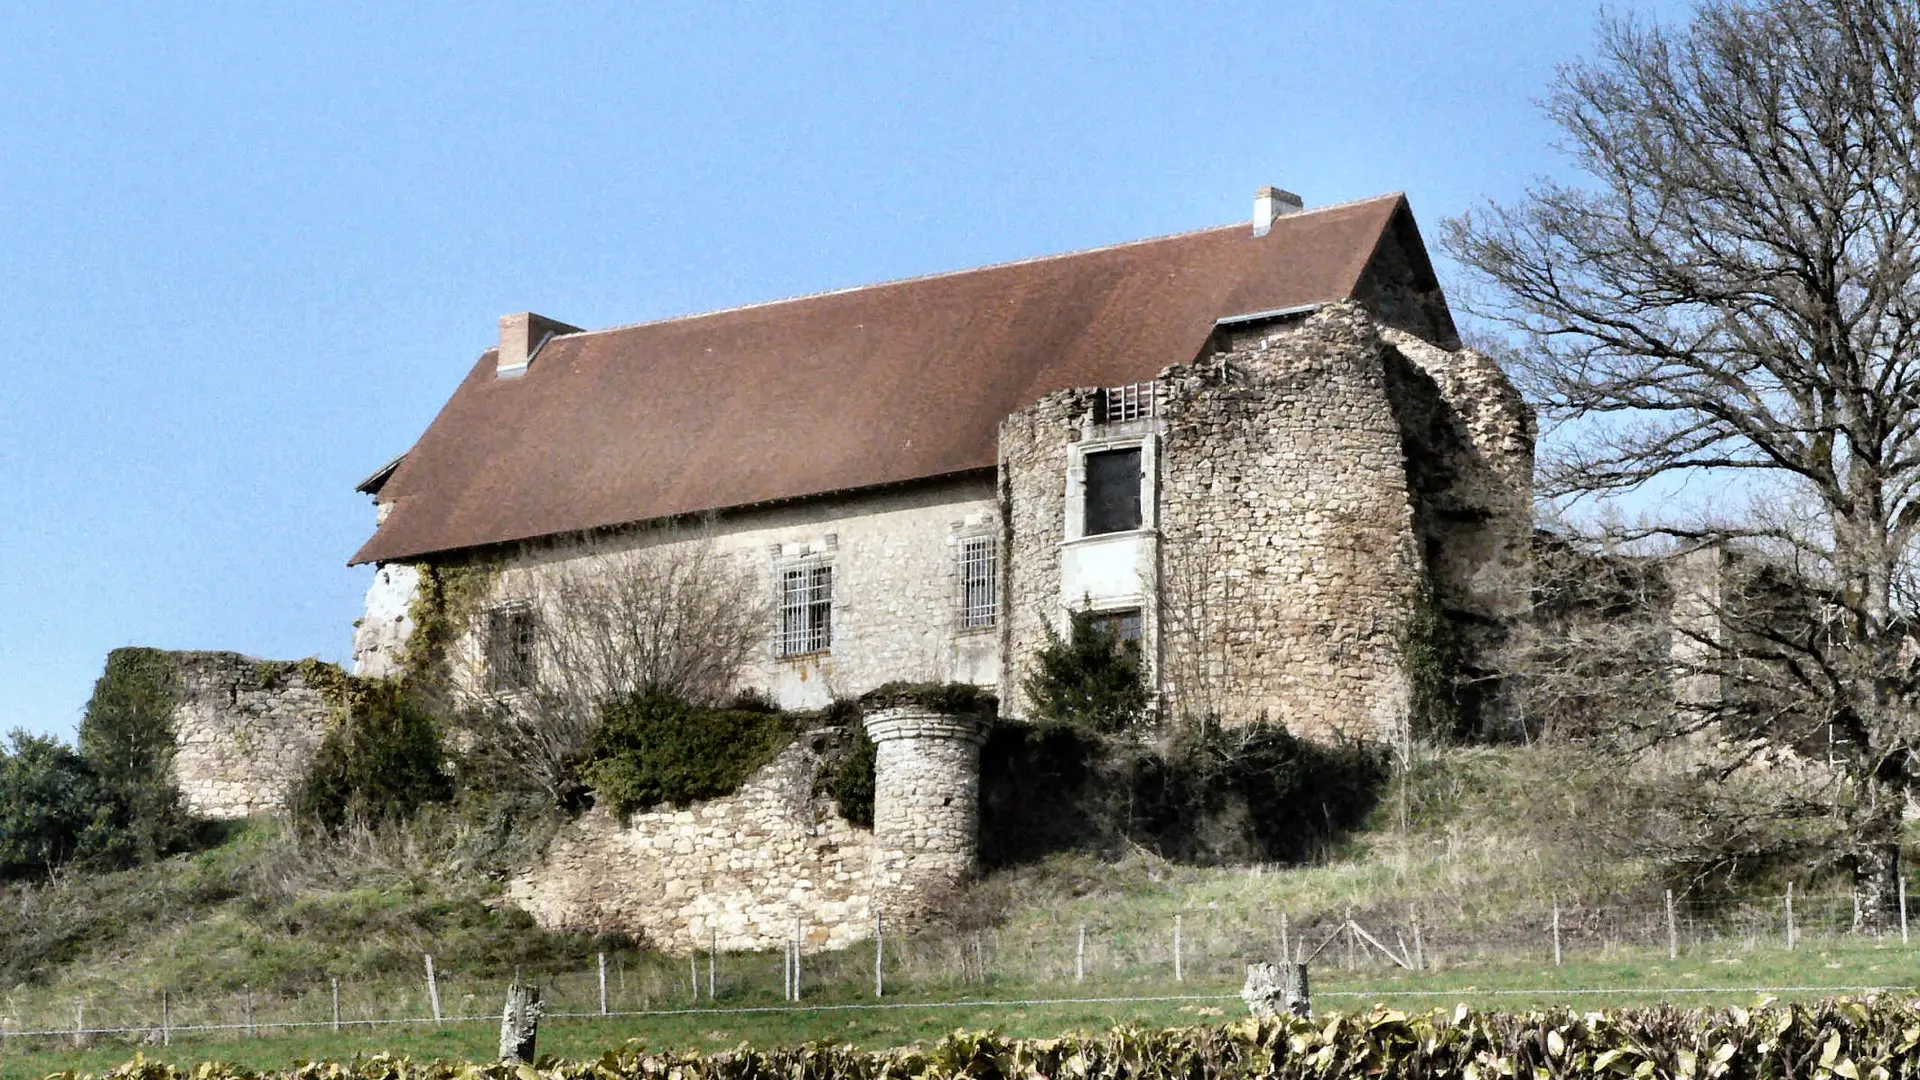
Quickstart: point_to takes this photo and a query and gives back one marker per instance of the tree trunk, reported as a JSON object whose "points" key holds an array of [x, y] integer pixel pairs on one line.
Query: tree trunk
{"points": [[1876, 887]]}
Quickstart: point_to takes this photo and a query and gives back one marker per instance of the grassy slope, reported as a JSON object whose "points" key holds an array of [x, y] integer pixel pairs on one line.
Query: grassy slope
{"points": [[255, 923]]}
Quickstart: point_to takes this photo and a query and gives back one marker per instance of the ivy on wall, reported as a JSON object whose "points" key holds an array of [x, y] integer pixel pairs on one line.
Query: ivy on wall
{"points": [[443, 607]]}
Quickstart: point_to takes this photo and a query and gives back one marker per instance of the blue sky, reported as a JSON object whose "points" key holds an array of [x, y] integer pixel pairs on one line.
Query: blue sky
{"points": [[249, 249]]}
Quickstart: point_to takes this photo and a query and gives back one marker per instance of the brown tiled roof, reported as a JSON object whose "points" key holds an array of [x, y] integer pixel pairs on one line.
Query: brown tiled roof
{"points": [[844, 390]]}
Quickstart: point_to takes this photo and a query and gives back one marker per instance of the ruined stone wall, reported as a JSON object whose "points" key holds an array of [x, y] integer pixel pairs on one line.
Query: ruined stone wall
{"points": [[741, 870], [1312, 481], [245, 731], [1469, 441], [743, 867], [1290, 560]]}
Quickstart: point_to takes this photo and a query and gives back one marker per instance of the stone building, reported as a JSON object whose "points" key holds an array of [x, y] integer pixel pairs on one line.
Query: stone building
{"points": [[1259, 449]]}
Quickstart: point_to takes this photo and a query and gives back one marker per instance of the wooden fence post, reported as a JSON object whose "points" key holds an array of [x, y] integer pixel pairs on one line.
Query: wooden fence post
{"points": [[1178, 975], [798, 939], [602, 957], [1789, 916], [1556, 931], [713, 963], [166, 1019], [1080, 957], [879, 956], [1419, 949], [1673, 930], [336, 1004], [1903, 909], [249, 1010]]}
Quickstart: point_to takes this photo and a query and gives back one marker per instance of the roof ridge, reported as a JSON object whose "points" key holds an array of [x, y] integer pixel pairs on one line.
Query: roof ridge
{"points": [[938, 274]]}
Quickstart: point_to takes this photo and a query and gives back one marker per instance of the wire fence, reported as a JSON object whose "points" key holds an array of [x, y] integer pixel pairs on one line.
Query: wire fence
{"points": [[1204, 949]]}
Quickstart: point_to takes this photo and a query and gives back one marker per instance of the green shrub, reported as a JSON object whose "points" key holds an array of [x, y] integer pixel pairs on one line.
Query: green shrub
{"points": [[381, 761], [653, 748], [850, 779], [1088, 679], [126, 737], [49, 806], [1250, 794]]}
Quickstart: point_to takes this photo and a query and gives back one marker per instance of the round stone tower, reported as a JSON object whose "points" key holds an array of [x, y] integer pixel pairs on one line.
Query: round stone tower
{"points": [[926, 802]]}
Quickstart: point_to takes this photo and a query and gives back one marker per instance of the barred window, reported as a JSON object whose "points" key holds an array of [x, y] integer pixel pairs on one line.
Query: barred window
{"points": [[509, 645], [1129, 402], [979, 582], [806, 611]]}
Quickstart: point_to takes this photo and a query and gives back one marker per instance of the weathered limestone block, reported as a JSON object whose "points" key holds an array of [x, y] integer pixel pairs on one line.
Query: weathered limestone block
{"points": [[926, 805], [380, 634]]}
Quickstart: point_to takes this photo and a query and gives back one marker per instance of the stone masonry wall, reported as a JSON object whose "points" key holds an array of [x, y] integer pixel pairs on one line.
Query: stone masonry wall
{"points": [[1312, 481], [743, 867], [896, 590], [740, 870], [1290, 560], [926, 808], [245, 731]]}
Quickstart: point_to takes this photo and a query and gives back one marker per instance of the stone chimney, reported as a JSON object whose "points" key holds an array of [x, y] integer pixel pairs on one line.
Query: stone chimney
{"points": [[521, 337], [1270, 203]]}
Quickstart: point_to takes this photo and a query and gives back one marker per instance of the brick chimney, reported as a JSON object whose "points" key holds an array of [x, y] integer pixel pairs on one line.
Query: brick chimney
{"points": [[1270, 203], [521, 337]]}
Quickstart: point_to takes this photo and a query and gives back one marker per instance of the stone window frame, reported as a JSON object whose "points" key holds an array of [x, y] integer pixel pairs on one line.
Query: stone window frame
{"points": [[806, 642], [1148, 443]]}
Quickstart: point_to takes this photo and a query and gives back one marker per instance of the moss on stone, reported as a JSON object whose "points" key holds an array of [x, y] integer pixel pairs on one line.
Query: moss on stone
{"points": [[954, 699]]}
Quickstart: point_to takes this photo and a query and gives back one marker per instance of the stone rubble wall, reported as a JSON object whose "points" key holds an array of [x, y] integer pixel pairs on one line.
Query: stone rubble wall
{"points": [[1316, 480], [738, 870], [1470, 443], [1290, 561], [245, 731]]}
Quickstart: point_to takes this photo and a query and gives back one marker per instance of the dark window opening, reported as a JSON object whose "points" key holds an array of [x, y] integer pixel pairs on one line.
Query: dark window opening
{"points": [[1113, 491], [510, 642], [1123, 628]]}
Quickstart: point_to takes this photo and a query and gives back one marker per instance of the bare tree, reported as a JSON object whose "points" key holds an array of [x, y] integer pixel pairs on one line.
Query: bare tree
{"points": [[672, 614], [1734, 296]]}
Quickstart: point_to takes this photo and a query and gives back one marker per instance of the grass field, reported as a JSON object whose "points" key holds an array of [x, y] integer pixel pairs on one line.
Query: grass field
{"points": [[1703, 976]]}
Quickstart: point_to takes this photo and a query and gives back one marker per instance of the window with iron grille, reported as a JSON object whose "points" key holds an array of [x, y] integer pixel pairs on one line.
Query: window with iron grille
{"points": [[1129, 402], [510, 645], [979, 582], [806, 611]]}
